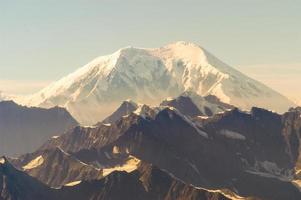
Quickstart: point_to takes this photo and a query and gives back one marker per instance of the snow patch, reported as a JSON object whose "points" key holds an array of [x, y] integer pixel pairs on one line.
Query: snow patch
{"points": [[142, 110], [232, 135], [131, 165], [202, 117], [116, 150], [169, 99], [73, 183], [34, 163], [2, 160], [55, 137], [200, 132], [139, 111], [89, 126]]}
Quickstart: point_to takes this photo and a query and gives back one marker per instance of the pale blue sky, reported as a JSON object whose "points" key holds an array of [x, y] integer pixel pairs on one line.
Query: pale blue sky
{"points": [[41, 41]]}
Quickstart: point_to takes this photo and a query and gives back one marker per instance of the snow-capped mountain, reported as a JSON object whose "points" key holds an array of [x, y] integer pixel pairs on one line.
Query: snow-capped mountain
{"points": [[193, 105], [149, 76]]}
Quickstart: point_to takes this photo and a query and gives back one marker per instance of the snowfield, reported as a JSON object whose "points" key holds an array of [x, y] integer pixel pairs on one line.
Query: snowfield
{"points": [[150, 76]]}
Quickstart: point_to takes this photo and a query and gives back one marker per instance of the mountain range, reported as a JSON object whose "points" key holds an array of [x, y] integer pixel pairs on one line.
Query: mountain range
{"points": [[149, 76], [170, 123], [242, 155], [23, 129]]}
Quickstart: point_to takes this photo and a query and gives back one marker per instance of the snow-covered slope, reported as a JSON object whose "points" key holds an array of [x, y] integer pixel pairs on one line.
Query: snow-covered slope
{"points": [[149, 76]]}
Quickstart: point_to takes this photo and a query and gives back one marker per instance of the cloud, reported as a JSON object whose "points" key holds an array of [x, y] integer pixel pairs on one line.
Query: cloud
{"points": [[285, 78], [20, 87]]}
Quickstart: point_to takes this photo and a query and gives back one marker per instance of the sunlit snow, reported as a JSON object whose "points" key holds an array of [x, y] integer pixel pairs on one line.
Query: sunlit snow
{"points": [[131, 165], [73, 183], [34, 163], [150, 76]]}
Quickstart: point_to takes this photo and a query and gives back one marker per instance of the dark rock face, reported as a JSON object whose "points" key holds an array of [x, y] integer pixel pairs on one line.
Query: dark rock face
{"points": [[24, 129], [170, 143], [160, 185], [184, 105], [252, 154], [80, 138], [297, 109], [292, 134], [266, 135], [236, 151], [16, 185], [57, 168], [208, 105], [150, 183], [147, 183], [125, 108]]}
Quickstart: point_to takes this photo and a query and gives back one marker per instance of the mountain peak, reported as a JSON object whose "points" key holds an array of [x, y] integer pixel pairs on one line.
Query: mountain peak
{"points": [[149, 76], [184, 44]]}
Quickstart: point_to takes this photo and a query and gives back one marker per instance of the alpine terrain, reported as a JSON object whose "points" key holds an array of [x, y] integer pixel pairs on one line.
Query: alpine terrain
{"points": [[233, 154], [149, 76], [170, 123]]}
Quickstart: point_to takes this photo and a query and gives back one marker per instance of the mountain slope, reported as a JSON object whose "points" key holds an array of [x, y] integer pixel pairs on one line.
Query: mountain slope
{"points": [[147, 182], [56, 168], [230, 161], [253, 154], [149, 76], [184, 105], [16, 185], [193, 105], [24, 129], [125, 108]]}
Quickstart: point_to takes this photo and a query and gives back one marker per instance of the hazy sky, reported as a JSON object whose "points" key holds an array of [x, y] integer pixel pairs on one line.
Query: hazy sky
{"points": [[41, 41]]}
